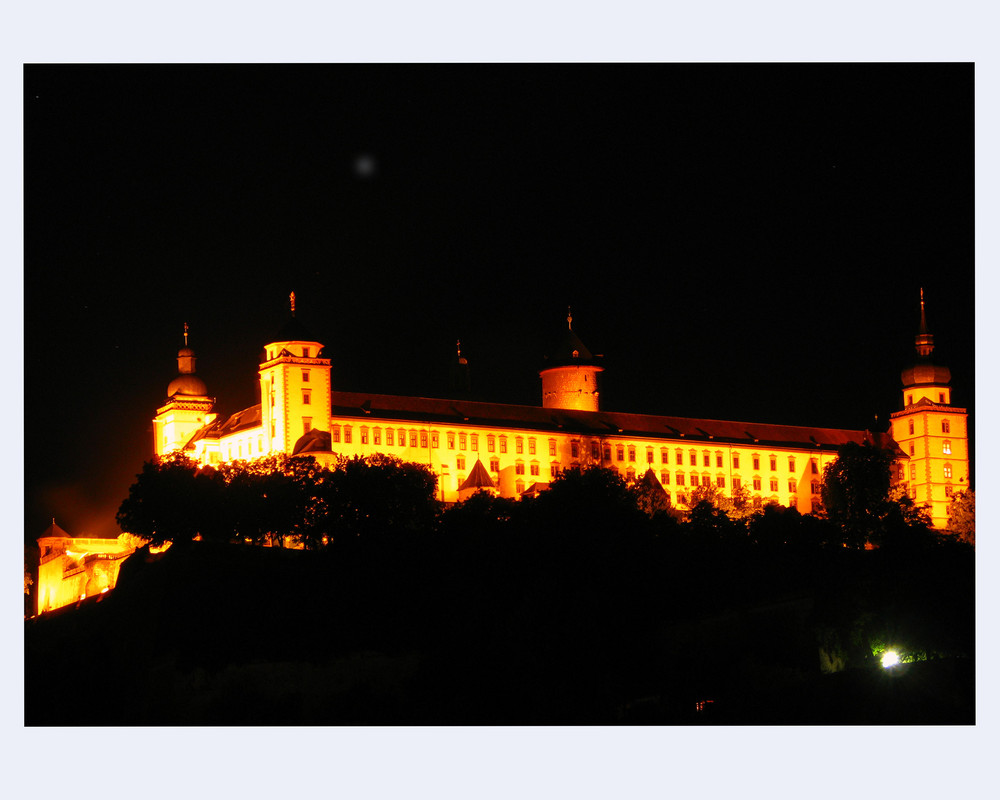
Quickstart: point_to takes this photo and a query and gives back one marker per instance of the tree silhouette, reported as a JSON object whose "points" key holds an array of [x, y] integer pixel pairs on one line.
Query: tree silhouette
{"points": [[856, 492]]}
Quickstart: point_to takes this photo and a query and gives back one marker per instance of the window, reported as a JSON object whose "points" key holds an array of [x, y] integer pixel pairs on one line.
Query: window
{"points": [[665, 477], [491, 443], [706, 481], [534, 469], [519, 445], [423, 439], [911, 427], [435, 441], [620, 452], [791, 464], [306, 397], [945, 426], [948, 490], [736, 460], [630, 474], [680, 457], [347, 434], [736, 483], [305, 376], [756, 462], [461, 441], [720, 482], [682, 498], [680, 478], [909, 402], [631, 453], [451, 440], [460, 462], [756, 484], [902, 472], [913, 449], [814, 487], [335, 434], [813, 466], [946, 447], [364, 436], [693, 458], [947, 470], [718, 459], [389, 436], [705, 459], [413, 438], [574, 449], [595, 451], [376, 436], [519, 487], [519, 468], [474, 441], [307, 425], [793, 501], [552, 447], [503, 444], [774, 484], [791, 485], [531, 447], [401, 436], [494, 464], [664, 457], [940, 397], [305, 352], [607, 452], [649, 455], [554, 470], [774, 463], [913, 472]]}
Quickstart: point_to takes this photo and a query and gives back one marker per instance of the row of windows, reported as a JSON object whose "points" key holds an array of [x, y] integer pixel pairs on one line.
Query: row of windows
{"points": [[909, 400], [945, 426], [945, 447]]}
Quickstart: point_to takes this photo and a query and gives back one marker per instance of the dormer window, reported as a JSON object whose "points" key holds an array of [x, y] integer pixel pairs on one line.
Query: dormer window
{"points": [[576, 354], [305, 352]]}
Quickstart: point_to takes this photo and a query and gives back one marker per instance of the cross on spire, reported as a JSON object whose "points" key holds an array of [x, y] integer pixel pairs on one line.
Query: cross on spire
{"points": [[569, 317]]}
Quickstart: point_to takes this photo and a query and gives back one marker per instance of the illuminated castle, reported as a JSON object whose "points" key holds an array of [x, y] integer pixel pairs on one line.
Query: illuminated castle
{"points": [[514, 450]]}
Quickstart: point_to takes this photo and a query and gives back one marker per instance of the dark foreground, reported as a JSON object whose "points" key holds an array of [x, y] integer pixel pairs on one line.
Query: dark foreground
{"points": [[232, 635]]}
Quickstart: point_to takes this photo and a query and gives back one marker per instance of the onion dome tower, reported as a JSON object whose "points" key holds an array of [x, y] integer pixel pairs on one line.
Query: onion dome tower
{"points": [[187, 408], [925, 379], [569, 377], [295, 390], [930, 431]]}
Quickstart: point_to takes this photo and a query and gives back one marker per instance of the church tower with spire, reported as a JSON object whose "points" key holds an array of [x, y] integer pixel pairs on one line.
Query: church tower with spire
{"points": [[295, 388], [569, 378], [931, 431], [187, 408]]}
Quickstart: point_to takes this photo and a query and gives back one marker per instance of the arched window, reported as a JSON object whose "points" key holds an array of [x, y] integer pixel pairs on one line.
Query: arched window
{"points": [[911, 427], [945, 426], [947, 471], [946, 447]]}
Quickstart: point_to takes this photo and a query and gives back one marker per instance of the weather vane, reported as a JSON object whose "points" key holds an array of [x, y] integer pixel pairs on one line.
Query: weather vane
{"points": [[291, 297], [185, 334]]}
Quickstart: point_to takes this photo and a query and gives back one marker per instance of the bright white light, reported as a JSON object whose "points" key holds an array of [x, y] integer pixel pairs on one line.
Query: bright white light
{"points": [[890, 658]]}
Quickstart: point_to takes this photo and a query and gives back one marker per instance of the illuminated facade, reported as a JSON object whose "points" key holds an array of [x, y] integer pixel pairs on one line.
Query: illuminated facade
{"points": [[519, 449], [72, 568]]}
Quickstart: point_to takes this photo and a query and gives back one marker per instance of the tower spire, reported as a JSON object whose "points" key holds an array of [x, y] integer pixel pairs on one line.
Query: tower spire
{"points": [[924, 340]]}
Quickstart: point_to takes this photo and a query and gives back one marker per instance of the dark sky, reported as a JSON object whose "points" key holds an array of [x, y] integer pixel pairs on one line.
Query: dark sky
{"points": [[739, 241]]}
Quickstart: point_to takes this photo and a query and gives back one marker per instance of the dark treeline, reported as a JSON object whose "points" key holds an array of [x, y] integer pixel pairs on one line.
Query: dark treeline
{"points": [[594, 603]]}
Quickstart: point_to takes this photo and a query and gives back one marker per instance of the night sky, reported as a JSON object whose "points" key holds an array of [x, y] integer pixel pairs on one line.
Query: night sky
{"points": [[739, 241]]}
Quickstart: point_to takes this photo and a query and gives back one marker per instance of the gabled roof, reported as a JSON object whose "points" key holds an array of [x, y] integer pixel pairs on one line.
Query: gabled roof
{"points": [[479, 478], [674, 431]]}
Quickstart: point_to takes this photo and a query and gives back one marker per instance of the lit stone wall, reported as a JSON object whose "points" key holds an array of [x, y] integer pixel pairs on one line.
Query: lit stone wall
{"points": [[571, 387], [71, 568]]}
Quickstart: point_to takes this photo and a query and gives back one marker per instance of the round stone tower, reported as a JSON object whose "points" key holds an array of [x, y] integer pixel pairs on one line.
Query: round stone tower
{"points": [[569, 377]]}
